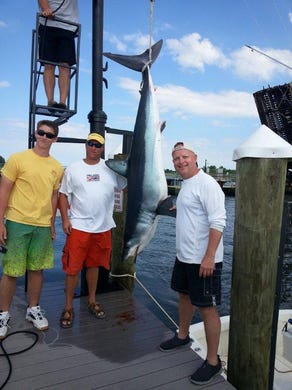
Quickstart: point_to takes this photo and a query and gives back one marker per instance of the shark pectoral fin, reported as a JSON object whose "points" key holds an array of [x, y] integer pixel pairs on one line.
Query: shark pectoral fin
{"points": [[167, 207], [118, 166], [130, 257]]}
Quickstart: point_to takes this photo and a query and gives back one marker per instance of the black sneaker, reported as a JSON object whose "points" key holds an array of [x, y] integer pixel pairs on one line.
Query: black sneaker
{"points": [[52, 103], [206, 373], [62, 106], [173, 343]]}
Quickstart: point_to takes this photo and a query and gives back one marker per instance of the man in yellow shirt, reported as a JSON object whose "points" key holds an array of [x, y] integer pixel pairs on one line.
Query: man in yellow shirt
{"points": [[28, 202]]}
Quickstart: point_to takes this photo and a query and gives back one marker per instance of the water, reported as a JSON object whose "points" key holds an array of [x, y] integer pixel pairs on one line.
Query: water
{"points": [[154, 267]]}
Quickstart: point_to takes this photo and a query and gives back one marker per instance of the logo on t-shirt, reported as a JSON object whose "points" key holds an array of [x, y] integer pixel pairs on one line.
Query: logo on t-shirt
{"points": [[92, 177]]}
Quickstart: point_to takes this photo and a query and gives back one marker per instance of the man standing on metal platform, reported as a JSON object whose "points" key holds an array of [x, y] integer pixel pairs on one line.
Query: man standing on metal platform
{"points": [[57, 45]]}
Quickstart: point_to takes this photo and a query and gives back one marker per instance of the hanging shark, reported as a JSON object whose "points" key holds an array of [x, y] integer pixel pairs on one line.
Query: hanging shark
{"points": [[147, 187]]}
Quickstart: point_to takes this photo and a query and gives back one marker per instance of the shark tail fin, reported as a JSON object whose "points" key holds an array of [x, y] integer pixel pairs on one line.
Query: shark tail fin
{"points": [[137, 62]]}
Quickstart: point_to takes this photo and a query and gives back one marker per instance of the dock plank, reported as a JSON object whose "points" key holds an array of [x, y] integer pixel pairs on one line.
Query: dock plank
{"points": [[118, 352]]}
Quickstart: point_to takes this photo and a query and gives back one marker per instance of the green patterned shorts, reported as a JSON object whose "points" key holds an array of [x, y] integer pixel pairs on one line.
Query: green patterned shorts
{"points": [[28, 248]]}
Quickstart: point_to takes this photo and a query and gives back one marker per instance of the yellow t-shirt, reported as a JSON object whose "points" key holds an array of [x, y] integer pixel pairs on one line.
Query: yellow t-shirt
{"points": [[34, 178]]}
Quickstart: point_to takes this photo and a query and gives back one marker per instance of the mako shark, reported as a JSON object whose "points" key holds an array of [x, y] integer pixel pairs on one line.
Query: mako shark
{"points": [[143, 168]]}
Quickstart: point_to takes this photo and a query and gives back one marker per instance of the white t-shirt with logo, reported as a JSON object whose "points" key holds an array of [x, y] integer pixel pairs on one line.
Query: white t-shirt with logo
{"points": [[90, 190]]}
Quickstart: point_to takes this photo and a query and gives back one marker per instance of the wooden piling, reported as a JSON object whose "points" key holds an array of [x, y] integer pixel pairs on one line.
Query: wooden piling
{"points": [[118, 266], [260, 188]]}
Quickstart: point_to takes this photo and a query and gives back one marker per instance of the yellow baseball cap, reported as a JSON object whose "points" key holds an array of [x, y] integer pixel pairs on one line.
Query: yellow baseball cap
{"points": [[95, 137]]}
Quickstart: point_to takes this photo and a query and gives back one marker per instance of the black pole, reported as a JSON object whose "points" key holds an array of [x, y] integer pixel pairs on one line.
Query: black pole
{"points": [[97, 117]]}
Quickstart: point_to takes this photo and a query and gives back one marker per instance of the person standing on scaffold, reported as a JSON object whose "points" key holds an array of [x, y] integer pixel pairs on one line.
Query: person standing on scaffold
{"points": [[56, 44]]}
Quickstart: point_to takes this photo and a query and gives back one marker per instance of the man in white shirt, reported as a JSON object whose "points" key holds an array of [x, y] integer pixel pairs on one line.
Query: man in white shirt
{"points": [[200, 221], [87, 193]]}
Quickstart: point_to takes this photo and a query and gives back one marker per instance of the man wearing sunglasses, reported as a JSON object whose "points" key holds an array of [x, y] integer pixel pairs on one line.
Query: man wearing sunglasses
{"points": [[87, 193], [28, 201]]}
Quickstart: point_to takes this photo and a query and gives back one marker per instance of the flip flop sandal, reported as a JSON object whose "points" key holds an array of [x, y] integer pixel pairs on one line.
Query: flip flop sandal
{"points": [[67, 319], [96, 310]]}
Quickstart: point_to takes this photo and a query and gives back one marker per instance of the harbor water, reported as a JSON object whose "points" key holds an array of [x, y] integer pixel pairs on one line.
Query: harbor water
{"points": [[154, 267]]}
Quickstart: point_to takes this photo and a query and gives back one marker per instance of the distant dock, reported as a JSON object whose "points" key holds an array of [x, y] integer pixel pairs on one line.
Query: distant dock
{"points": [[227, 184]]}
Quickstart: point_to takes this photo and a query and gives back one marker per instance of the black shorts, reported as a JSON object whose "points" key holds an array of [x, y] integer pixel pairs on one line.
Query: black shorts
{"points": [[57, 45], [203, 292]]}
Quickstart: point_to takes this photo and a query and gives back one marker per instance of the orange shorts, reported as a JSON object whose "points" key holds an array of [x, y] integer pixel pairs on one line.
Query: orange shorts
{"points": [[86, 249]]}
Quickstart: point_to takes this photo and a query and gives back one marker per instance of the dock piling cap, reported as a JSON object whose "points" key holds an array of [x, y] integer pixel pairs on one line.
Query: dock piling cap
{"points": [[263, 143]]}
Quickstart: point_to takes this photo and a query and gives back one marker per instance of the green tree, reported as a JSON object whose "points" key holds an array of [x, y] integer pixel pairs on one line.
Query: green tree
{"points": [[212, 169]]}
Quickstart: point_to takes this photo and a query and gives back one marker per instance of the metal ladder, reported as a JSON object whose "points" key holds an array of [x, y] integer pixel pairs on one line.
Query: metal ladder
{"points": [[37, 70]]}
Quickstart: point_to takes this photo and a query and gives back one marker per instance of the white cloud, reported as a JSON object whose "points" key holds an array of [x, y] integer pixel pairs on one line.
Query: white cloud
{"points": [[254, 65], [183, 102], [130, 85], [192, 51], [117, 42], [129, 43], [290, 17], [74, 130], [2, 24], [138, 41], [4, 84], [162, 26]]}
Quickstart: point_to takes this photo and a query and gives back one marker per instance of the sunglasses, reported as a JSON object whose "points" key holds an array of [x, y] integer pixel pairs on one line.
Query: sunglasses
{"points": [[93, 144], [48, 135]]}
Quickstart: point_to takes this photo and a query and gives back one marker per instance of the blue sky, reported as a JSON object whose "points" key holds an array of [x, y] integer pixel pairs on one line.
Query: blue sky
{"points": [[205, 76]]}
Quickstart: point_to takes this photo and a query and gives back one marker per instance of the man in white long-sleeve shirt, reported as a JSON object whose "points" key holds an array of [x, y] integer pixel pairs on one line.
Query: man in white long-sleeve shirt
{"points": [[200, 221]]}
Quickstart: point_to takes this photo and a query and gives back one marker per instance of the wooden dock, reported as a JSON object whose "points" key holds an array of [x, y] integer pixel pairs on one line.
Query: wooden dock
{"points": [[119, 352]]}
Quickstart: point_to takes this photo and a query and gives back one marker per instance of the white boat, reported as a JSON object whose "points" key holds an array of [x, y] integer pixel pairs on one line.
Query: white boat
{"points": [[283, 359]]}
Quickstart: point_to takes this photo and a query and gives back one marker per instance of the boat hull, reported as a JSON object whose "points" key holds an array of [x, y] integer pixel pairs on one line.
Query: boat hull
{"points": [[282, 381]]}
